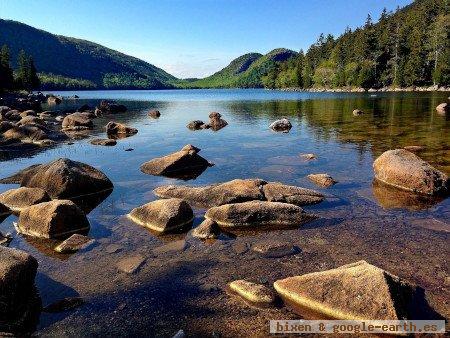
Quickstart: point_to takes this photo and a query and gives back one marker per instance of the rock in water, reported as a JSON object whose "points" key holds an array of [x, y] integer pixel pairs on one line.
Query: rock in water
{"points": [[278, 192], [17, 292], [115, 128], [62, 179], [442, 108], [55, 219], [185, 163], [195, 125], [18, 199], [74, 243], [258, 214], [163, 215], [357, 112], [216, 122], [131, 264], [323, 180], [275, 249], [206, 230], [405, 170], [357, 291], [53, 100], [239, 190], [77, 121], [154, 114], [107, 107], [254, 293], [103, 142], [283, 125]]}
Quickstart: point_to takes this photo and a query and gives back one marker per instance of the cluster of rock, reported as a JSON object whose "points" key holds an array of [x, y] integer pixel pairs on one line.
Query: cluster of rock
{"points": [[215, 123], [44, 201]]}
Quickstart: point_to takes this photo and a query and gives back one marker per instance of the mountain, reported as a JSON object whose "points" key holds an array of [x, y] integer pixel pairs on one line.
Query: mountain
{"points": [[245, 71], [64, 60]]}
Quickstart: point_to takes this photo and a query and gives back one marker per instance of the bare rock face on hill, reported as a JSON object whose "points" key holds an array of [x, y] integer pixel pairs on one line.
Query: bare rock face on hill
{"points": [[241, 190], [258, 214], [355, 291], [63, 179], [405, 170], [185, 163]]}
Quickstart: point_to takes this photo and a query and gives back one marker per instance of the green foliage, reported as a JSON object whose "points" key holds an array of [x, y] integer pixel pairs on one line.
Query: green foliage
{"points": [[6, 72], [55, 82], [26, 73]]}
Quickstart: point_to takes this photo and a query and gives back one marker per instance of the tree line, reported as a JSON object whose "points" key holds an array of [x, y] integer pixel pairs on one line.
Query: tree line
{"points": [[408, 47], [24, 78]]}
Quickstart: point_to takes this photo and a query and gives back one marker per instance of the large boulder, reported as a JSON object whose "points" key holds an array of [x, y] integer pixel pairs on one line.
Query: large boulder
{"points": [[196, 125], [405, 170], [154, 114], [206, 230], [356, 291], [163, 215], [77, 121], [54, 219], [26, 133], [23, 197], [31, 120], [283, 125], [63, 179], [17, 292], [115, 128], [185, 163], [258, 214], [241, 190], [5, 126]]}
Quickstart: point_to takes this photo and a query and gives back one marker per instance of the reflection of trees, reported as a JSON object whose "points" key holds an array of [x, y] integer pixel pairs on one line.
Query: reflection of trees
{"points": [[390, 121]]}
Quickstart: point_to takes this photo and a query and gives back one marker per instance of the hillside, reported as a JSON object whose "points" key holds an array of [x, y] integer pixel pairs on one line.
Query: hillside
{"points": [[245, 71], [64, 59]]}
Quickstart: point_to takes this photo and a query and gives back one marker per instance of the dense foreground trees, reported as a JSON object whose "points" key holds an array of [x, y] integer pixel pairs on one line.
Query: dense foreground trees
{"points": [[24, 78], [409, 47]]}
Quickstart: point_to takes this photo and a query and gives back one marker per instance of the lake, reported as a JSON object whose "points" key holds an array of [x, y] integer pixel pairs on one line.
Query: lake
{"points": [[184, 288]]}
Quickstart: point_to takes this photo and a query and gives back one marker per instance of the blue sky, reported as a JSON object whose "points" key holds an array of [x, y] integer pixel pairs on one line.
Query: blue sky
{"points": [[195, 38]]}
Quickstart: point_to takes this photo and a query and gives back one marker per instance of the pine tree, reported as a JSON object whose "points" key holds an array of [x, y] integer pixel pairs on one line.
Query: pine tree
{"points": [[6, 72], [438, 48], [33, 78], [23, 71]]}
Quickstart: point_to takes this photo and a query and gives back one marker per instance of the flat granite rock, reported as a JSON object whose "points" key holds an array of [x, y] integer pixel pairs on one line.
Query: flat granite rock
{"points": [[258, 214], [241, 190], [74, 243], [131, 264], [254, 293], [163, 215], [275, 249], [356, 291], [23, 197], [323, 180]]}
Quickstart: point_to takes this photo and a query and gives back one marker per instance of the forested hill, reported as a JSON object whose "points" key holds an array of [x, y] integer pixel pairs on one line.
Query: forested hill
{"points": [[69, 62], [409, 47]]}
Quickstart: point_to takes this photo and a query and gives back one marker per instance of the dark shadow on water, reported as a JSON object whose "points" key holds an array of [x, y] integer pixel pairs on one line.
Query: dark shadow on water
{"points": [[188, 174], [89, 202]]}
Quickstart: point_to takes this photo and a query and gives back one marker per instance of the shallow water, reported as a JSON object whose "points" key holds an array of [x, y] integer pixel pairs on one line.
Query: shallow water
{"points": [[186, 289]]}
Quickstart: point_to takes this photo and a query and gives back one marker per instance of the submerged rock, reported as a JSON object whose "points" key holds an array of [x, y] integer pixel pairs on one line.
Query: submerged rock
{"points": [[23, 197], [405, 170], [442, 108], [131, 264], [163, 215], [55, 219], [171, 247], [254, 293], [154, 114], [111, 107], [308, 157], [77, 121], [241, 190], [275, 249], [103, 142], [17, 292], [283, 125], [208, 229], [54, 100], [65, 304], [115, 128], [355, 291], [74, 243], [258, 214], [185, 163], [62, 178], [323, 180]]}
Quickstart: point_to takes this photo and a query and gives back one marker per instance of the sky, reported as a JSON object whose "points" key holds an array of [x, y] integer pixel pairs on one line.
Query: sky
{"points": [[195, 38]]}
